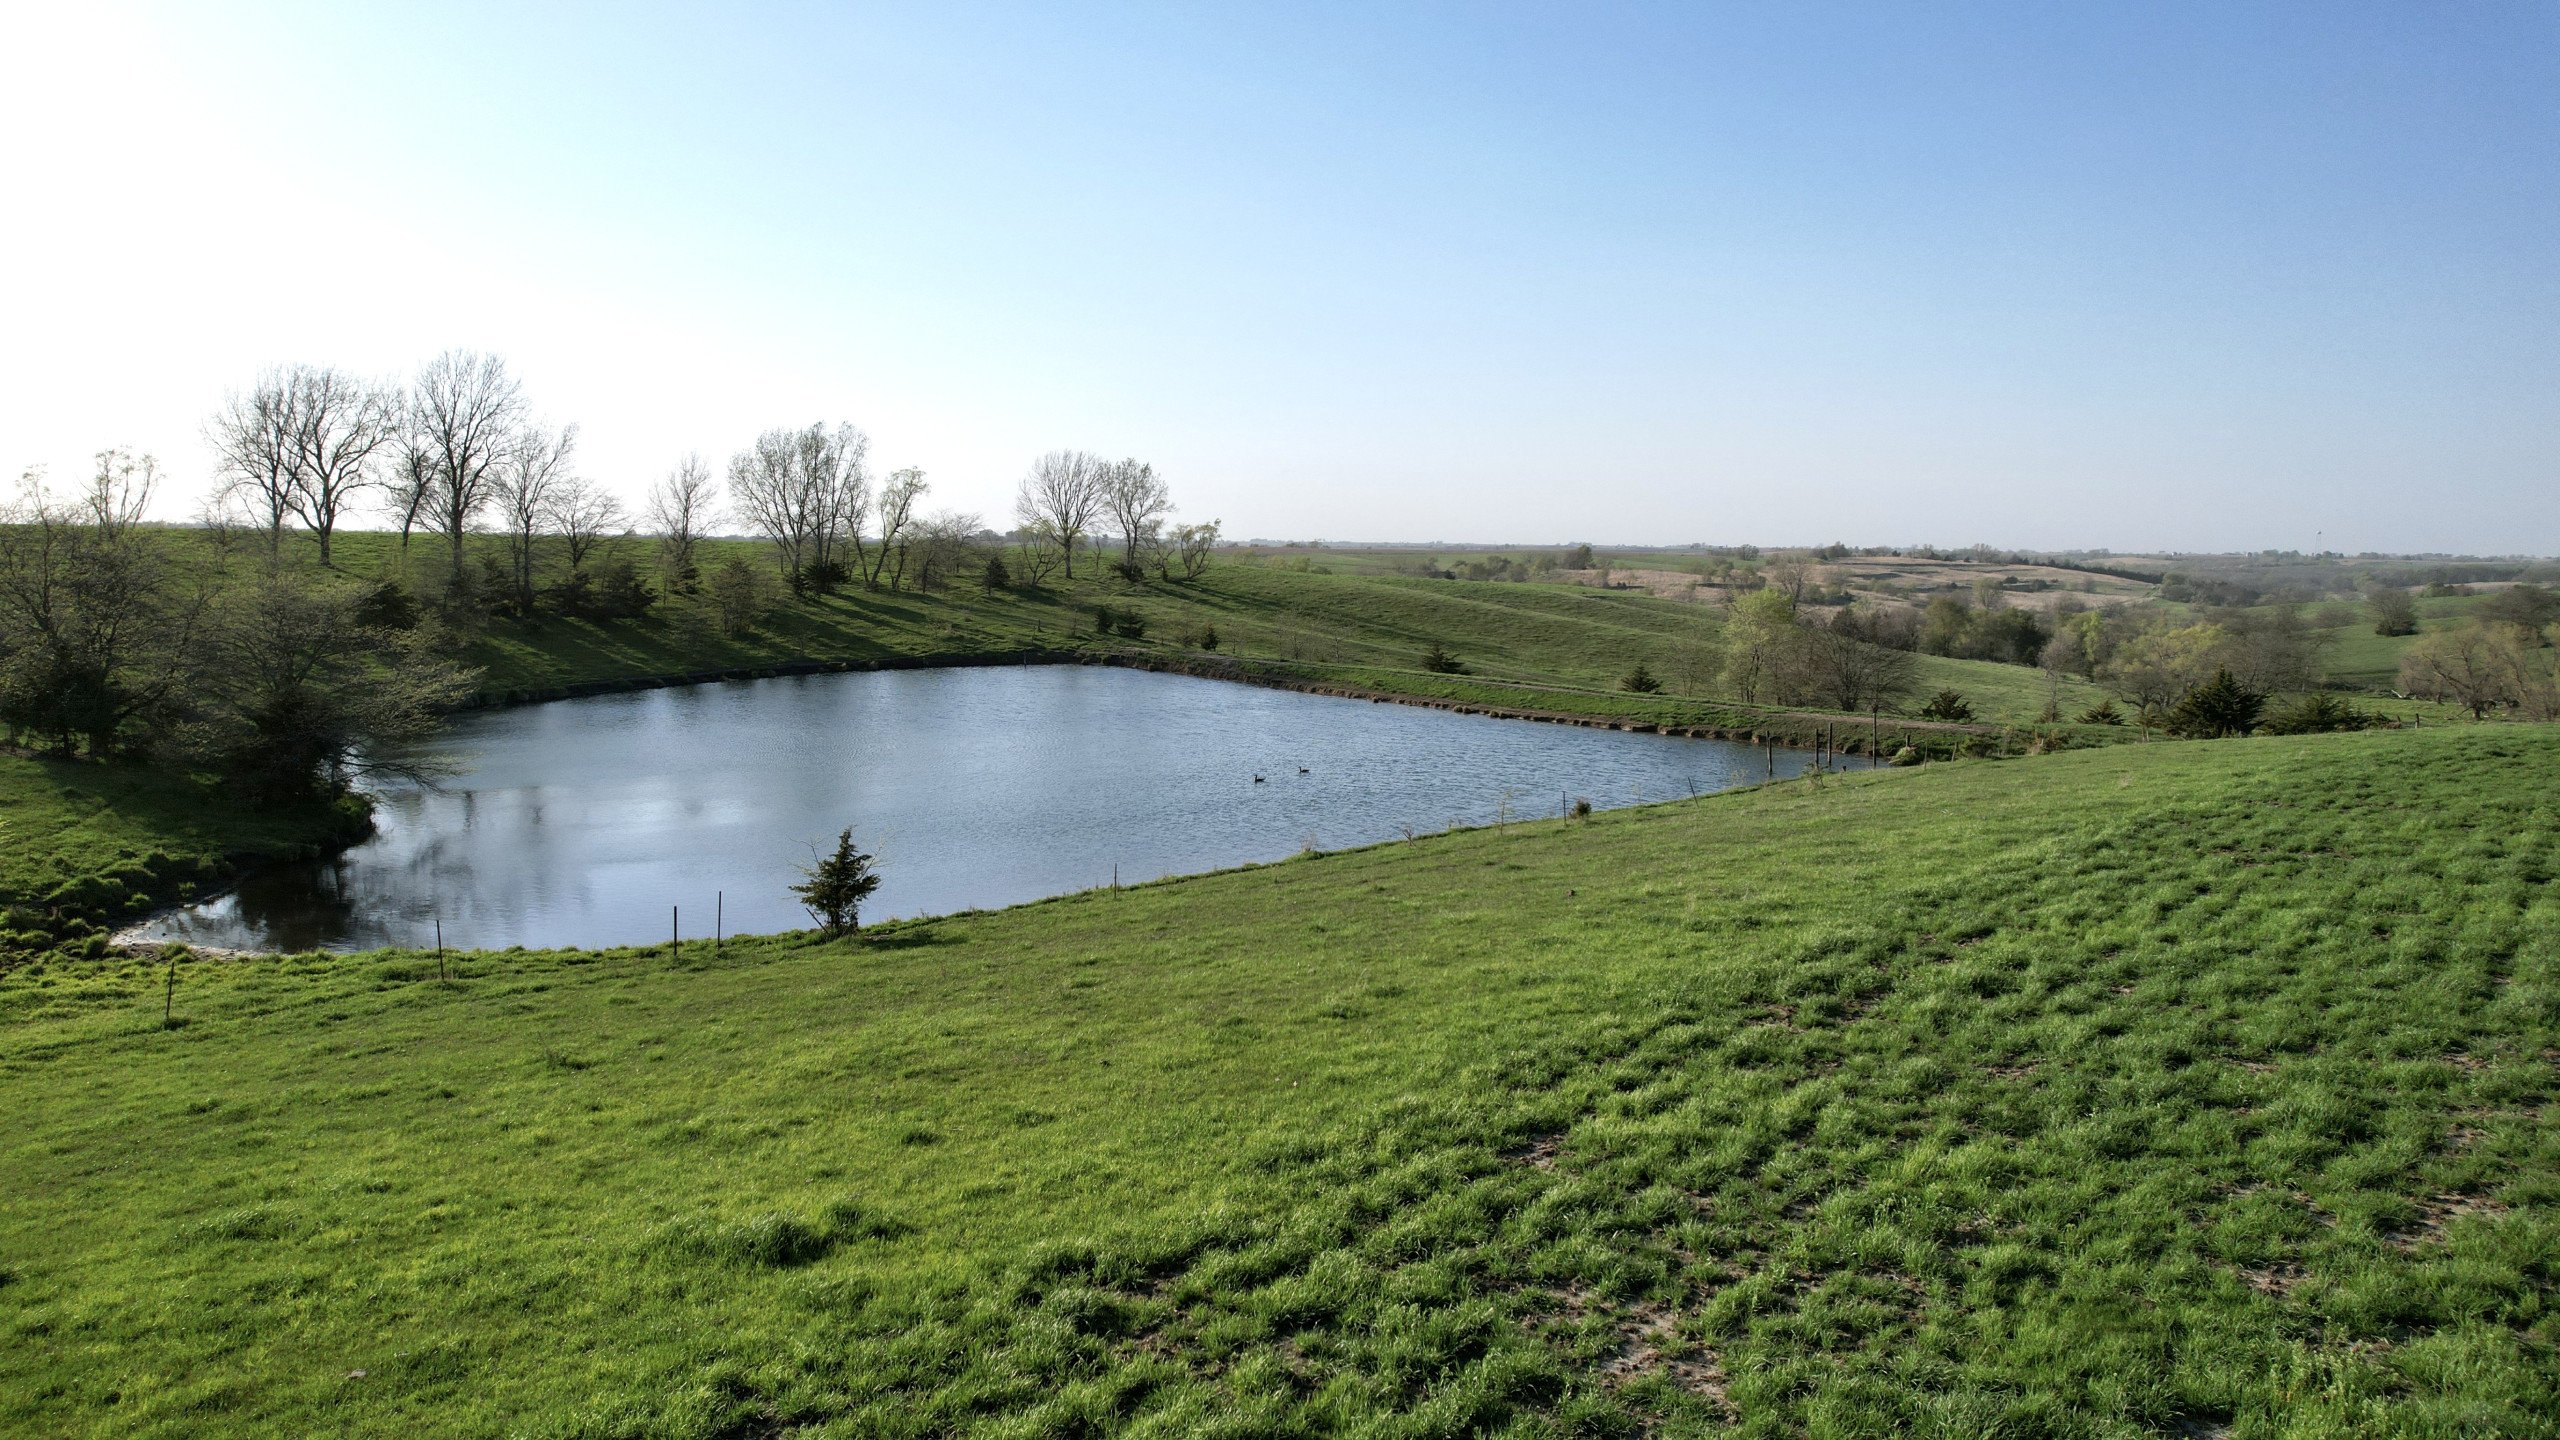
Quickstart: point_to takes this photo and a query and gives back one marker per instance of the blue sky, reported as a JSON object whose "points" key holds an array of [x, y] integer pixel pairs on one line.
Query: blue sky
{"points": [[2150, 276]]}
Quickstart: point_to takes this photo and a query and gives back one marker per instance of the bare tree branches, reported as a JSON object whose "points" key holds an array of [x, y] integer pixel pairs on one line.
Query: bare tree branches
{"points": [[466, 409], [1059, 499], [585, 516], [1192, 545], [897, 511], [835, 470], [1137, 501], [1040, 556], [681, 507], [943, 544], [412, 470], [527, 485], [255, 437], [806, 491], [340, 424], [119, 491]]}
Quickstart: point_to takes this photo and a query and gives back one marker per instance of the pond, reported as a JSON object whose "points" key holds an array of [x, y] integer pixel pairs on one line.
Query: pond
{"points": [[582, 821]]}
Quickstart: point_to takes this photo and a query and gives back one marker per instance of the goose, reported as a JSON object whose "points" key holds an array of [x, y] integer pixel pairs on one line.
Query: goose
{"points": [[1257, 779]]}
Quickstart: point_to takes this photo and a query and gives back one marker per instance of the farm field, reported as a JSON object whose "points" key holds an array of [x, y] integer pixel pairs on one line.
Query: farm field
{"points": [[2195, 1088]]}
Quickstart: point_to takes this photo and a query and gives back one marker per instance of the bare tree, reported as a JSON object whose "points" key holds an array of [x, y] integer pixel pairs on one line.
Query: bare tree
{"points": [[1192, 545], [1850, 674], [466, 409], [806, 491], [527, 487], [944, 545], [1788, 575], [584, 515], [1696, 661], [255, 436], [340, 425], [681, 507], [120, 490], [1137, 501], [1059, 499], [836, 474], [1040, 556], [761, 481], [897, 511], [413, 472]]}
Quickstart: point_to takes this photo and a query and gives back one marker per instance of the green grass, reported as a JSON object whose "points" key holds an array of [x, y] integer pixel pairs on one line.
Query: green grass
{"points": [[1574, 640], [2359, 658], [2130, 1092], [82, 845]]}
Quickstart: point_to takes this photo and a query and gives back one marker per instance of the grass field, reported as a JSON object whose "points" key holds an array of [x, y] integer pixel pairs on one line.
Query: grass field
{"points": [[2158, 1090], [81, 844], [1561, 637], [2359, 658]]}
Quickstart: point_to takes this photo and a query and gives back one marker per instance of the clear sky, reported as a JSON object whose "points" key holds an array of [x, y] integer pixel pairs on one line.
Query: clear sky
{"points": [[2196, 276]]}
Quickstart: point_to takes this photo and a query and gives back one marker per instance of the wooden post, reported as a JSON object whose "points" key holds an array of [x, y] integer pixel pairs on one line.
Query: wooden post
{"points": [[675, 933], [440, 970], [719, 901]]}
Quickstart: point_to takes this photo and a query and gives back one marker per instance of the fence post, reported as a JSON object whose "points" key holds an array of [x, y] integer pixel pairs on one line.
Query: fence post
{"points": [[675, 933], [442, 978]]}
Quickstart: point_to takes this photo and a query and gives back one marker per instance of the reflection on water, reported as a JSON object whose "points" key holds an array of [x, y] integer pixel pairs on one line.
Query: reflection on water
{"points": [[582, 822]]}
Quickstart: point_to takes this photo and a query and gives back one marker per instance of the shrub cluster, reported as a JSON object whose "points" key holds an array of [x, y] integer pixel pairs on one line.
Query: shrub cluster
{"points": [[1127, 624]]}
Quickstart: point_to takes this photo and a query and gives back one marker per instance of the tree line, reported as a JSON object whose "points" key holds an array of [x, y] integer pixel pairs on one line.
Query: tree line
{"points": [[457, 450], [121, 639], [204, 647]]}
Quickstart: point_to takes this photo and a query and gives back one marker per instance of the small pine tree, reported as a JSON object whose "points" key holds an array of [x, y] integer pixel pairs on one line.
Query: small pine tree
{"points": [[837, 886], [997, 577], [2218, 707], [1640, 681], [1440, 662], [1947, 705], [1208, 637], [2316, 714], [2102, 713]]}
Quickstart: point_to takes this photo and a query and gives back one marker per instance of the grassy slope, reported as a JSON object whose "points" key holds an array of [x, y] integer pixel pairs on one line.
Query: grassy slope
{"points": [[1368, 630], [2358, 657], [2098, 1094], [87, 843]]}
